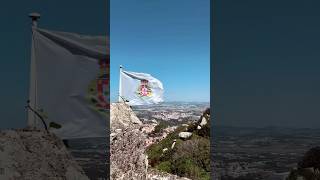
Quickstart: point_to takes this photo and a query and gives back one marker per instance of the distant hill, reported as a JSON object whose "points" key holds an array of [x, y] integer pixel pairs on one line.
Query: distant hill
{"points": [[263, 131]]}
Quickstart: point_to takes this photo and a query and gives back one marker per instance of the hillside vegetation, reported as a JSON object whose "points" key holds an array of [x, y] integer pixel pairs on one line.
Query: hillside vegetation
{"points": [[190, 156]]}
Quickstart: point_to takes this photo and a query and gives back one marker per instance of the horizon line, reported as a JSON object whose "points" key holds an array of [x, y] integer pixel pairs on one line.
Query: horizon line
{"points": [[176, 101]]}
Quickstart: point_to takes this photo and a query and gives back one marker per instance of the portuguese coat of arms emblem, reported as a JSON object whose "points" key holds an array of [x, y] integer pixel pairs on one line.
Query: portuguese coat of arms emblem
{"points": [[98, 90], [144, 89]]}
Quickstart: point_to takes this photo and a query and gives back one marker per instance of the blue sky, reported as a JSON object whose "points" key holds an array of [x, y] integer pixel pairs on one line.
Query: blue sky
{"points": [[169, 39], [79, 16]]}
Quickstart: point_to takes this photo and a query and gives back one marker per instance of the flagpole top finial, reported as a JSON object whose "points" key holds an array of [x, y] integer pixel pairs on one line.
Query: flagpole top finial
{"points": [[34, 17]]}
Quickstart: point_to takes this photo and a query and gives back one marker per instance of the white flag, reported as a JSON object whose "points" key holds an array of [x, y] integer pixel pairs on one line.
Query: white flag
{"points": [[140, 88], [70, 83]]}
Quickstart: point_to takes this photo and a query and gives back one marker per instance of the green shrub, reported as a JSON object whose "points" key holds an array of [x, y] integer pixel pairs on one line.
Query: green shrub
{"points": [[165, 166], [188, 168], [183, 166], [159, 128], [155, 150], [197, 149], [189, 158]]}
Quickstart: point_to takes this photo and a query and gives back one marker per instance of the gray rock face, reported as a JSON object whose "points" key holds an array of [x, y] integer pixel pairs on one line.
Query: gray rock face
{"points": [[122, 116], [31, 154], [127, 147], [127, 155]]}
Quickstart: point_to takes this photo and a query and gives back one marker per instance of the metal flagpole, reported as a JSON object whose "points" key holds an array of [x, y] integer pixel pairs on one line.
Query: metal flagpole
{"points": [[32, 102], [120, 88], [34, 17]]}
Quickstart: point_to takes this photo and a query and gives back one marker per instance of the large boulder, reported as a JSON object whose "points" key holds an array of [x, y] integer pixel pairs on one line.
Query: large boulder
{"points": [[185, 135]]}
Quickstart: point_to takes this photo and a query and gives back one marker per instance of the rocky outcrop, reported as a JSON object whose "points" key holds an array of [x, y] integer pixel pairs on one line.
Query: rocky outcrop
{"points": [[31, 154], [128, 145], [128, 160], [204, 120], [202, 126], [122, 117]]}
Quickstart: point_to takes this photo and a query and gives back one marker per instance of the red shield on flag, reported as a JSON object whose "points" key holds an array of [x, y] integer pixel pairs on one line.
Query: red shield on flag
{"points": [[144, 88], [103, 84]]}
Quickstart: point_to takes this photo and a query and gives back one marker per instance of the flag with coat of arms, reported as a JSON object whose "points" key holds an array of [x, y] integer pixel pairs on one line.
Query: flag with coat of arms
{"points": [[139, 88], [69, 83]]}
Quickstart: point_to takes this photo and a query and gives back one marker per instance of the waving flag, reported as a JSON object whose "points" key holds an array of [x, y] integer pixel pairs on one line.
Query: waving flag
{"points": [[139, 88], [70, 83]]}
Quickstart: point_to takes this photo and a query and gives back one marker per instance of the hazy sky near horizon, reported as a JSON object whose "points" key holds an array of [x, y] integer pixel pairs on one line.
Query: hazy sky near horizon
{"points": [[267, 63], [169, 39], [79, 16]]}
